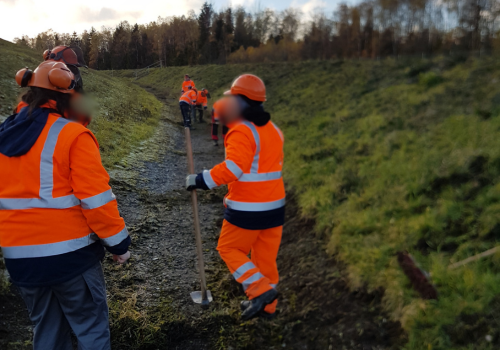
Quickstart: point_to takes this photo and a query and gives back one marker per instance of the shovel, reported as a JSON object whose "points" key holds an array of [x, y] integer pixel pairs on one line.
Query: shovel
{"points": [[203, 297]]}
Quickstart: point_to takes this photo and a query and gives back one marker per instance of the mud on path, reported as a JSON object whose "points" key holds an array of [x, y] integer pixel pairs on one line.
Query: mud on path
{"points": [[150, 305]]}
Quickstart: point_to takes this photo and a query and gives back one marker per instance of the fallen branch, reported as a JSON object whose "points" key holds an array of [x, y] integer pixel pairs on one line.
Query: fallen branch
{"points": [[474, 258]]}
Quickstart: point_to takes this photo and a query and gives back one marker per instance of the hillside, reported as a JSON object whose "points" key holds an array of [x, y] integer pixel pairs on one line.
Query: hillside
{"points": [[125, 114], [382, 156], [388, 156]]}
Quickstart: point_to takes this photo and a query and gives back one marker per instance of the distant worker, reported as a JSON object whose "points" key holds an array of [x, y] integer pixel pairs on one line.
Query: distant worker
{"points": [[187, 84], [202, 103], [187, 103], [57, 211], [216, 120], [255, 203]]}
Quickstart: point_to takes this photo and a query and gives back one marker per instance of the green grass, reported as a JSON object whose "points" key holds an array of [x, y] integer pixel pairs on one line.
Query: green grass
{"points": [[125, 113], [388, 156], [12, 59]]}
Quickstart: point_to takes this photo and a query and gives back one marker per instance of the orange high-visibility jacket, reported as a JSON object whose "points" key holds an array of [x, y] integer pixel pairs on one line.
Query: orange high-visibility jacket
{"points": [[215, 113], [55, 199], [201, 100], [252, 170], [186, 85], [189, 97]]}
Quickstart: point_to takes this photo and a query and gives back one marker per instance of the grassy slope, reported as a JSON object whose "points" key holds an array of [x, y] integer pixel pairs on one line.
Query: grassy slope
{"points": [[388, 156], [125, 113]]}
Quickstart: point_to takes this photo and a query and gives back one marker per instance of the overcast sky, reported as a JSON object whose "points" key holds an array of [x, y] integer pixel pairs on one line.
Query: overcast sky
{"points": [[30, 17]]}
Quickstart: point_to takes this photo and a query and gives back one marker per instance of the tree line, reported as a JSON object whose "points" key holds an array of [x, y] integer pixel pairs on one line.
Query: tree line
{"points": [[369, 29]]}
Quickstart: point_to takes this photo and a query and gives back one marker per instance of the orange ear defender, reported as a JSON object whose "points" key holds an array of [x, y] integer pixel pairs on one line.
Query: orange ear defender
{"points": [[48, 75], [24, 76]]}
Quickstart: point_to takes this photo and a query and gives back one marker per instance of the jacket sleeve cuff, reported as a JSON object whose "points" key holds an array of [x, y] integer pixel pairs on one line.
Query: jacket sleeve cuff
{"points": [[121, 248], [200, 182]]}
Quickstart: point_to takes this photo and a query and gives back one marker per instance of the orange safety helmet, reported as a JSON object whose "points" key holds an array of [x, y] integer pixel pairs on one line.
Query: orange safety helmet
{"points": [[62, 53], [248, 85], [48, 75]]}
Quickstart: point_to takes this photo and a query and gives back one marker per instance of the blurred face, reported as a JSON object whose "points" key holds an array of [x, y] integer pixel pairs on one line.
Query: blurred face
{"points": [[82, 108], [230, 110], [186, 78]]}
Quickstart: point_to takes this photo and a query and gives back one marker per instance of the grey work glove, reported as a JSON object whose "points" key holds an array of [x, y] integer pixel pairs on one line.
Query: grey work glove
{"points": [[191, 182]]}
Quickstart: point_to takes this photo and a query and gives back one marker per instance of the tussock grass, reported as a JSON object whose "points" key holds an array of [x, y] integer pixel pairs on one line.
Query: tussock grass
{"points": [[12, 59], [387, 156]]}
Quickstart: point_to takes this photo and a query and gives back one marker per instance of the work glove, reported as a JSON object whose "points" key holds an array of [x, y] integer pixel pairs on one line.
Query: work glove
{"points": [[121, 259], [191, 182]]}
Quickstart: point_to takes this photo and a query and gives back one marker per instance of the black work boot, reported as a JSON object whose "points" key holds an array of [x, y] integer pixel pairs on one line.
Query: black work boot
{"points": [[258, 304], [216, 143], [263, 314]]}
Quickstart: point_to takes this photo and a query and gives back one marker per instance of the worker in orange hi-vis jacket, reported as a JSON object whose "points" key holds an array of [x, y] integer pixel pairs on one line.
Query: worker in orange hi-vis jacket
{"points": [[187, 84], [187, 103], [217, 107], [57, 213], [202, 103], [255, 203]]}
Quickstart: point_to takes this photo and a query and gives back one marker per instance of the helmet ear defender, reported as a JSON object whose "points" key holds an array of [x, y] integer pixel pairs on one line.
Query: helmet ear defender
{"points": [[26, 77], [46, 54], [61, 78], [49, 75], [23, 77]]}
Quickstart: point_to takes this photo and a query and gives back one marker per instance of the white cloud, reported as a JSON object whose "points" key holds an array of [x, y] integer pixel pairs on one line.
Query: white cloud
{"points": [[308, 8], [88, 15], [30, 17]]}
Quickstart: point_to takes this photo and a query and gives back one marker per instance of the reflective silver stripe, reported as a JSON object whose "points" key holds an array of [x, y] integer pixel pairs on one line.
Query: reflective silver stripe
{"points": [[208, 179], [274, 285], [275, 175], [115, 239], [254, 278], [280, 133], [256, 137], [242, 269], [33, 203], [98, 200], [47, 161], [255, 206], [50, 249], [235, 169]]}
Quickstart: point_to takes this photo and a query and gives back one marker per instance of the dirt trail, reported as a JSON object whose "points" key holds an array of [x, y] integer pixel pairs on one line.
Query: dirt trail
{"points": [[149, 298], [158, 212]]}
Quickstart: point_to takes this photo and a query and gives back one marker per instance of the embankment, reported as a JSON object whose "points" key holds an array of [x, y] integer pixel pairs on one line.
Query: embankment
{"points": [[388, 156]]}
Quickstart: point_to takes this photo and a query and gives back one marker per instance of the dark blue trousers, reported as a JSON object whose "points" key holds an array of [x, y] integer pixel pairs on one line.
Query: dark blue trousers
{"points": [[78, 304], [186, 113]]}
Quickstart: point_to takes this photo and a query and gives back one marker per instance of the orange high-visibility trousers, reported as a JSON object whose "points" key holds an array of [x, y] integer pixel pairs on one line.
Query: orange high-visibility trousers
{"points": [[260, 273]]}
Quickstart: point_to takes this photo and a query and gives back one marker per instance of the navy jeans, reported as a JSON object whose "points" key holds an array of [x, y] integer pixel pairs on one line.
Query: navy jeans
{"points": [[78, 304], [186, 113]]}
